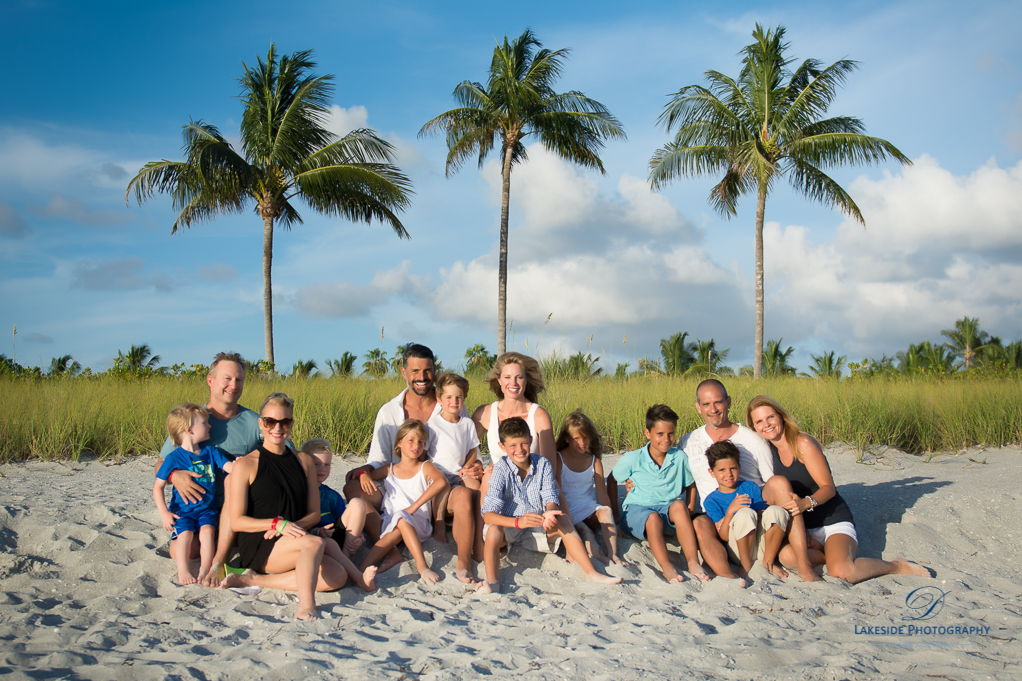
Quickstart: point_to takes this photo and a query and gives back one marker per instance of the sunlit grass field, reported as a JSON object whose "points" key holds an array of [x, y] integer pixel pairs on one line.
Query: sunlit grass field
{"points": [[111, 417]]}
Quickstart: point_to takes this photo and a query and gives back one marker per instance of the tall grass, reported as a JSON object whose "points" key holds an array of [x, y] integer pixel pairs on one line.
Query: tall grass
{"points": [[60, 419]]}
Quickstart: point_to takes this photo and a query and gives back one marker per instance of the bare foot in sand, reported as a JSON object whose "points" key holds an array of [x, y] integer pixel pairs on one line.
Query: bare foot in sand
{"points": [[776, 570], [907, 567], [233, 580], [428, 576], [185, 577], [672, 576], [809, 574], [621, 561], [700, 573], [307, 614], [488, 588], [440, 532], [211, 578], [598, 578], [369, 579], [465, 576], [393, 558]]}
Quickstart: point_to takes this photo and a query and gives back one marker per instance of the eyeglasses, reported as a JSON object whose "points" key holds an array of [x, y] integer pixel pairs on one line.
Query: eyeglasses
{"points": [[271, 422]]}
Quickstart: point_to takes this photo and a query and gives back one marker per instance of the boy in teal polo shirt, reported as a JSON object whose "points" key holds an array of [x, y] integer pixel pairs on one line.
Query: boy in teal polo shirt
{"points": [[661, 476]]}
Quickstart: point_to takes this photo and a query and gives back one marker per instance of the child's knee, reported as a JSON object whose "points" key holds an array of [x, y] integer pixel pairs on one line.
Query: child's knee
{"points": [[654, 524], [494, 533]]}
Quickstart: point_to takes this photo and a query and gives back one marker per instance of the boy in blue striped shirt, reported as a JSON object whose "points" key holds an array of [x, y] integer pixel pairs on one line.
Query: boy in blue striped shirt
{"points": [[521, 508]]}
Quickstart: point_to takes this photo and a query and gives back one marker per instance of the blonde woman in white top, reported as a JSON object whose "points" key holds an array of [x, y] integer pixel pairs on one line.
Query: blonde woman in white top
{"points": [[516, 380]]}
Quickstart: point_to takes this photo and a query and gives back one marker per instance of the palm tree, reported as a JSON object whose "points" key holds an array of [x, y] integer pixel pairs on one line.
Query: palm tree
{"points": [[677, 353], [376, 364], [517, 101], [139, 361], [345, 366], [912, 360], [940, 361], [582, 367], [825, 366], [708, 360], [767, 124], [478, 360], [64, 366], [775, 361], [288, 155], [966, 340], [304, 369]]}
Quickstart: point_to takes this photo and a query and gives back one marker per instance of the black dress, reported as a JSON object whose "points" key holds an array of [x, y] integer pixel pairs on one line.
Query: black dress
{"points": [[833, 511], [280, 489]]}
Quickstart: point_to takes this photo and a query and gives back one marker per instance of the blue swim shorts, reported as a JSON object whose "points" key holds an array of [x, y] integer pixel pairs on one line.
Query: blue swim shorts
{"points": [[633, 519], [193, 523]]}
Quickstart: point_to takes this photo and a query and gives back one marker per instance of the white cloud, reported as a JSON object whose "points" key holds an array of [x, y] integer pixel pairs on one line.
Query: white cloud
{"points": [[345, 299], [341, 121], [64, 208]]}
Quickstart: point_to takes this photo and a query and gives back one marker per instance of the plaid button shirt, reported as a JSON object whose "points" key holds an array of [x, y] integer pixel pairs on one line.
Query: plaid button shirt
{"points": [[512, 497]]}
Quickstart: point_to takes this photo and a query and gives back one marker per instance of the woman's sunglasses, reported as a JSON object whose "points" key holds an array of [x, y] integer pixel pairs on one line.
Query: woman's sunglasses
{"points": [[271, 422]]}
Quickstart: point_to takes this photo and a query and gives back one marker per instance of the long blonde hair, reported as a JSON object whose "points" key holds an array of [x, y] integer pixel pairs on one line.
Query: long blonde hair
{"points": [[534, 384], [791, 429]]}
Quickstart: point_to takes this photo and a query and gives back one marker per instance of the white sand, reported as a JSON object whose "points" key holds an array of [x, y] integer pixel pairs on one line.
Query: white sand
{"points": [[87, 592]]}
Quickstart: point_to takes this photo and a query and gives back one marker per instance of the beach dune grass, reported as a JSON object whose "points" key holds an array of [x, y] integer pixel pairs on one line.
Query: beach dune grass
{"points": [[110, 417]]}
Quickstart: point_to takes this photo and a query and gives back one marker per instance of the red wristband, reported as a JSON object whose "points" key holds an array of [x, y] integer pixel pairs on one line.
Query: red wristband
{"points": [[273, 523], [516, 524], [361, 473], [172, 471]]}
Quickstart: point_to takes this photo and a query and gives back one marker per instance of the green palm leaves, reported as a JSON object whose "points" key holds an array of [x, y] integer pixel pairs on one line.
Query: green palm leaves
{"points": [[518, 100], [287, 154], [768, 123]]}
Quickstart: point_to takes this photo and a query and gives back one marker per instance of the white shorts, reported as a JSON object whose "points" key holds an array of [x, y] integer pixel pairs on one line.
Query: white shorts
{"points": [[822, 534], [531, 538]]}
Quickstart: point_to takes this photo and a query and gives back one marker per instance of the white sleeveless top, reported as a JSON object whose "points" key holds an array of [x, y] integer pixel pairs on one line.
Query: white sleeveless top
{"points": [[493, 433], [399, 494], [579, 490]]}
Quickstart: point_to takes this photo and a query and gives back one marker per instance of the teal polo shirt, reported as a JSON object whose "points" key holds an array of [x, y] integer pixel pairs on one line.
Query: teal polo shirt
{"points": [[654, 485]]}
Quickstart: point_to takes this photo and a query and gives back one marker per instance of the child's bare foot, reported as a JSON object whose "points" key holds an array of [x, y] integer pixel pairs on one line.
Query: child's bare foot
{"points": [[185, 577], [599, 578], [488, 587], [776, 570], [369, 578], [428, 576], [808, 574], [465, 576], [907, 567], [699, 573], [393, 558], [307, 614], [672, 576], [621, 561]]}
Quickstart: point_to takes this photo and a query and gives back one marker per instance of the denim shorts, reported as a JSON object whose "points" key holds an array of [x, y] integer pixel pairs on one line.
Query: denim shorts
{"points": [[633, 519]]}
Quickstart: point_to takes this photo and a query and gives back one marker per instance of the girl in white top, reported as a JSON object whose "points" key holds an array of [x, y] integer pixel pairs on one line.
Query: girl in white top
{"points": [[580, 471], [409, 486], [516, 380]]}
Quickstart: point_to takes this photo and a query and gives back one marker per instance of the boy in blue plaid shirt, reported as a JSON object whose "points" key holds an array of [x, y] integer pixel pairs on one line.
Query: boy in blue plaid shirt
{"points": [[521, 508]]}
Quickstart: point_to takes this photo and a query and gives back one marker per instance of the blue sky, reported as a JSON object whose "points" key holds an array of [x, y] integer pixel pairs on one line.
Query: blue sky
{"points": [[98, 89]]}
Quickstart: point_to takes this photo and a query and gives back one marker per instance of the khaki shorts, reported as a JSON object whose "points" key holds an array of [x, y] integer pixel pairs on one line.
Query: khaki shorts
{"points": [[531, 538], [746, 521]]}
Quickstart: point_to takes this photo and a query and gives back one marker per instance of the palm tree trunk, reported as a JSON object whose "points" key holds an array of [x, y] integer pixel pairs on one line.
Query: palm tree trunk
{"points": [[505, 202], [268, 287], [757, 360]]}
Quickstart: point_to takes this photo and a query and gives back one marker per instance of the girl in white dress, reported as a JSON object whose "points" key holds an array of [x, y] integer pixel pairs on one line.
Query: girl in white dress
{"points": [[580, 471], [409, 486]]}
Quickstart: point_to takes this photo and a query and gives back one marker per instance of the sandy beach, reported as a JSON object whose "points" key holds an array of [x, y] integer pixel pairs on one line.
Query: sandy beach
{"points": [[87, 592]]}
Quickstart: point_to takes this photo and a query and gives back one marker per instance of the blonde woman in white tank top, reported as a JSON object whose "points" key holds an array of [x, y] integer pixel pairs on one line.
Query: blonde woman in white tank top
{"points": [[516, 381], [583, 485]]}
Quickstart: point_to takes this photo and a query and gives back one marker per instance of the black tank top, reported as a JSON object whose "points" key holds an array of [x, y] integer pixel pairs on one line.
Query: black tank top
{"points": [[280, 489], [833, 511]]}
